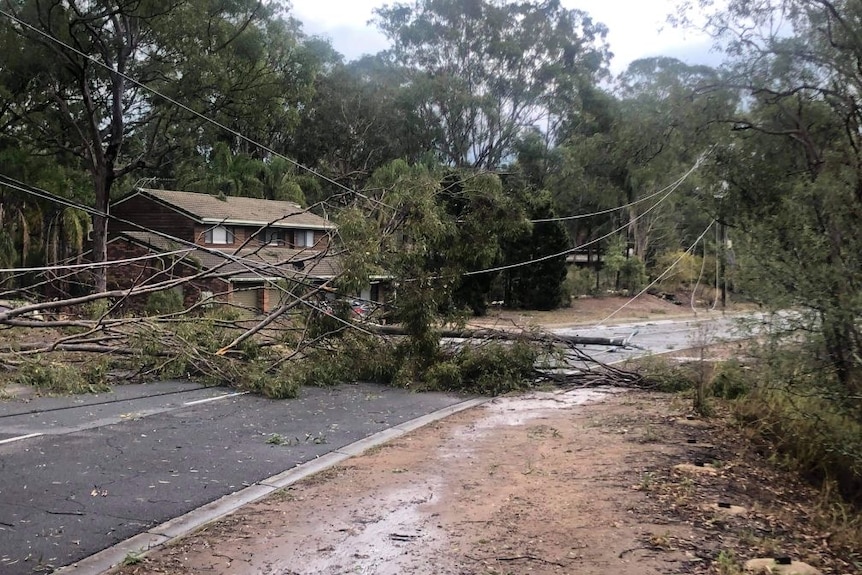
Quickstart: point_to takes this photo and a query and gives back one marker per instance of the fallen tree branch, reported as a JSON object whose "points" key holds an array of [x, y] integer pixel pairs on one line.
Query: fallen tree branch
{"points": [[76, 347], [523, 335]]}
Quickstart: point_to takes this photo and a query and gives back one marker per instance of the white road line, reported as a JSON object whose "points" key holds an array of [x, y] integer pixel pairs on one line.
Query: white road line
{"points": [[20, 437], [216, 398]]}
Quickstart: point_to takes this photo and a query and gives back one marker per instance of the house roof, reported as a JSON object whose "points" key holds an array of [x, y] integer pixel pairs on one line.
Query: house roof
{"points": [[266, 263], [236, 210]]}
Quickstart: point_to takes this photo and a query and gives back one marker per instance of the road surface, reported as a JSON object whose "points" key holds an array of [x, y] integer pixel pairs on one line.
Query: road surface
{"points": [[662, 336], [80, 474]]}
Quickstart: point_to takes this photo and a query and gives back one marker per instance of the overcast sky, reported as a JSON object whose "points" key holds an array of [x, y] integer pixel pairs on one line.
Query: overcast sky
{"points": [[637, 28]]}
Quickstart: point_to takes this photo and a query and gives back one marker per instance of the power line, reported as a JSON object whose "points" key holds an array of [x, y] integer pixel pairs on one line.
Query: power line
{"points": [[667, 194], [250, 266], [630, 204], [660, 277], [180, 105], [253, 269], [94, 265]]}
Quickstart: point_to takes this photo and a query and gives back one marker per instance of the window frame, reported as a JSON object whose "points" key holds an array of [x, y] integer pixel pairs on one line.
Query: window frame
{"points": [[271, 236], [210, 236], [303, 238]]}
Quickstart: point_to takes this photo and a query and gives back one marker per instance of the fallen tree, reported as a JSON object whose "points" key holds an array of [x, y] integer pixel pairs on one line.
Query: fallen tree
{"points": [[308, 338]]}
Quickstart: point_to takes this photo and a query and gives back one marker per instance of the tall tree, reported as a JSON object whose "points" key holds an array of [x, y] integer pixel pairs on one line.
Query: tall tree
{"points": [[484, 71], [68, 71], [795, 170], [661, 118], [359, 119], [670, 116]]}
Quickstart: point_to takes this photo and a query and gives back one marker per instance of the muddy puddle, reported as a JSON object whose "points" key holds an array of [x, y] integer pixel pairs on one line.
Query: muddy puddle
{"points": [[510, 411], [387, 535]]}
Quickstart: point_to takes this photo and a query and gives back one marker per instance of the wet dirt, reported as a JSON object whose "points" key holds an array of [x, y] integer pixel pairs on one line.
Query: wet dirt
{"points": [[587, 310], [547, 484]]}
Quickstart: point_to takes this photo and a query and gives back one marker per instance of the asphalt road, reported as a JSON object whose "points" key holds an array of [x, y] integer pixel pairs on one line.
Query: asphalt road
{"points": [[661, 336], [80, 474]]}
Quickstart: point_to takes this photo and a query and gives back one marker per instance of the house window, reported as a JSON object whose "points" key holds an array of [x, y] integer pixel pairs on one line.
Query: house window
{"points": [[303, 238], [219, 235], [272, 236]]}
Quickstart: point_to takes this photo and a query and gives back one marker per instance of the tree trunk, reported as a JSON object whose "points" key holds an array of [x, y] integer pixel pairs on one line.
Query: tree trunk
{"points": [[507, 335], [102, 183]]}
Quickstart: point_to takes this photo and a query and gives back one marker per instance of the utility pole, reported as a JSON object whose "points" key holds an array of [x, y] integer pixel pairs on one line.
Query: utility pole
{"points": [[722, 227], [722, 270]]}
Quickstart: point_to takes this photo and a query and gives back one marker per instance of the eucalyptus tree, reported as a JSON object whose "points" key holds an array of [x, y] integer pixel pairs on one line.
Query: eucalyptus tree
{"points": [[75, 71], [484, 71], [627, 157], [672, 115], [795, 169], [360, 118]]}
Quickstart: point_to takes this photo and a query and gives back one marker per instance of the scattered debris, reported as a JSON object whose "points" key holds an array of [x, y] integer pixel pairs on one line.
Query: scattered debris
{"points": [[726, 508], [771, 565], [693, 469], [695, 423]]}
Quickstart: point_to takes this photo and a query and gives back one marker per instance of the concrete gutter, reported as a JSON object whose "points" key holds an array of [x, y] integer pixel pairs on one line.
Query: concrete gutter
{"points": [[173, 529]]}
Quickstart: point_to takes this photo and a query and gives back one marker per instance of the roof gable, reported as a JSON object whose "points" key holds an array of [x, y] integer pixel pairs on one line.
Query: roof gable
{"points": [[236, 210]]}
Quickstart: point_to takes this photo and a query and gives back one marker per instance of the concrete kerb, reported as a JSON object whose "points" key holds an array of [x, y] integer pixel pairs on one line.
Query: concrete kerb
{"points": [[424, 420], [112, 556], [183, 525], [173, 528]]}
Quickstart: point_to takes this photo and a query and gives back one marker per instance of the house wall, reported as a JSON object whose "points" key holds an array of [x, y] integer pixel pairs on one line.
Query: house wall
{"points": [[321, 240], [153, 215], [138, 273], [242, 234]]}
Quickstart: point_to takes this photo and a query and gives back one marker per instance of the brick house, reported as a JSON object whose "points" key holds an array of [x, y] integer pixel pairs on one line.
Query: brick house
{"points": [[250, 250]]}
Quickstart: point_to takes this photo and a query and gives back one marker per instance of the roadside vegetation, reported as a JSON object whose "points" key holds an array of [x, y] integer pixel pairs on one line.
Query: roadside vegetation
{"points": [[792, 412]]}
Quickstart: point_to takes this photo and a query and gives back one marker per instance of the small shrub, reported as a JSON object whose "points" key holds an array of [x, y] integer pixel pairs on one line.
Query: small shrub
{"points": [[580, 281], [132, 558], [667, 376], [731, 380], [164, 302], [810, 433], [727, 564], [685, 273], [96, 309], [633, 275]]}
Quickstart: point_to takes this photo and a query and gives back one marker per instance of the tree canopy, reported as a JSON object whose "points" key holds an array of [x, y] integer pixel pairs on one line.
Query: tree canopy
{"points": [[75, 75], [483, 72]]}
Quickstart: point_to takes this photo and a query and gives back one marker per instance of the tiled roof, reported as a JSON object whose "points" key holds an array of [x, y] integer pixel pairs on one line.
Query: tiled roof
{"points": [[266, 262], [239, 210]]}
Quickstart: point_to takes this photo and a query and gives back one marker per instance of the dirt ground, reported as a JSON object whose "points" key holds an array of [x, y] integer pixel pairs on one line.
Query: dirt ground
{"points": [[591, 310], [585, 482]]}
